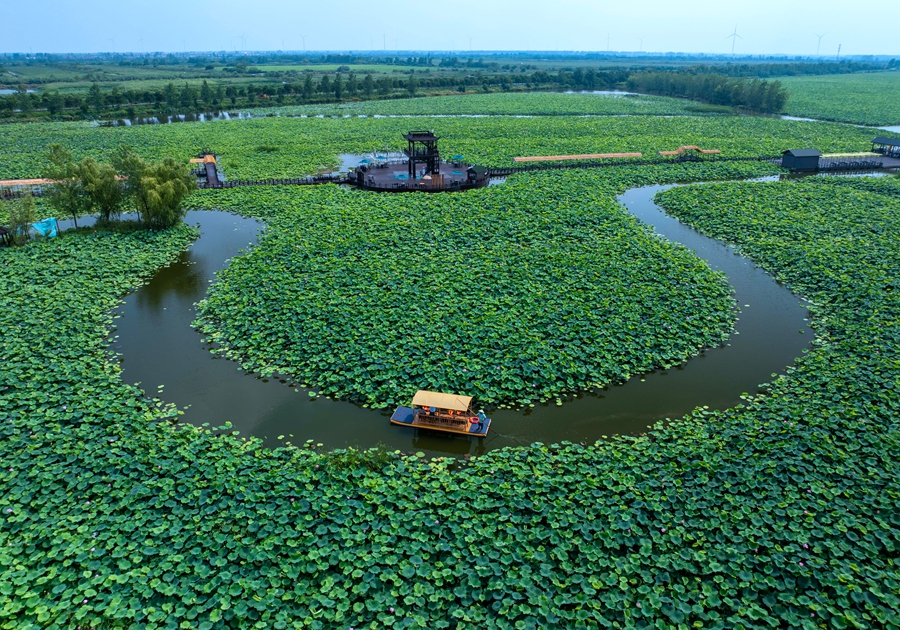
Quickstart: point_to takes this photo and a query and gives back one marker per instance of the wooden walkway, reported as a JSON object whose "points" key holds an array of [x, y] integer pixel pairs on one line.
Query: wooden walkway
{"points": [[586, 156]]}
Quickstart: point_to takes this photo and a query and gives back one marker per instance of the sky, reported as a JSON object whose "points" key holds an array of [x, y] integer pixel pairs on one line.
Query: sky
{"points": [[695, 26]]}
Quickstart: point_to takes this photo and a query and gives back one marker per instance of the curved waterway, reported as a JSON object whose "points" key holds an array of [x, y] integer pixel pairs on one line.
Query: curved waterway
{"points": [[158, 346]]}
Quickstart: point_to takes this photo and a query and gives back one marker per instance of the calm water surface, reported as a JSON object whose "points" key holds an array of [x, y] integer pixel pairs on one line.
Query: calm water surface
{"points": [[159, 347]]}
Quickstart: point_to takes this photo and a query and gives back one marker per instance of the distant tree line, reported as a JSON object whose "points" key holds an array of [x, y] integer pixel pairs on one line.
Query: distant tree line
{"points": [[765, 70], [737, 86], [756, 95]]}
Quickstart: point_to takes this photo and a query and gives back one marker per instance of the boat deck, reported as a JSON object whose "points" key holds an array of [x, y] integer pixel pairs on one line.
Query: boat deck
{"points": [[460, 425]]}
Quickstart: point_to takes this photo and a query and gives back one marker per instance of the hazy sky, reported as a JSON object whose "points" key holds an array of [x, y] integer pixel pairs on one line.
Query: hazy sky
{"points": [[765, 26]]}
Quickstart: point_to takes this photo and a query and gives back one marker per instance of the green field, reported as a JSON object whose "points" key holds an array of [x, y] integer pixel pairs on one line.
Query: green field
{"points": [[864, 99], [778, 513]]}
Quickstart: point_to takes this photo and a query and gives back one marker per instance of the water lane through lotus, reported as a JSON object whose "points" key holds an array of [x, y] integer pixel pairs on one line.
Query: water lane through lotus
{"points": [[159, 347]]}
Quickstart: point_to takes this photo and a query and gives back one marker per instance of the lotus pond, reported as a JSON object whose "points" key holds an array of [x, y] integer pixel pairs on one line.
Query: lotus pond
{"points": [[153, 337], [778, 512], [293, 147]]}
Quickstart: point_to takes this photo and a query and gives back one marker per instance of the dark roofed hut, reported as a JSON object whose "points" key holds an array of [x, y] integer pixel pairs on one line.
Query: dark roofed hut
{"points": [[801, 159], [886, 146], [477, 174]]}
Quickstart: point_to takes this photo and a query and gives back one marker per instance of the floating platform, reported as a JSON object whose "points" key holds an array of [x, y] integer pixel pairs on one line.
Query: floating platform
{"points": [[459, 424], [394, 177]]}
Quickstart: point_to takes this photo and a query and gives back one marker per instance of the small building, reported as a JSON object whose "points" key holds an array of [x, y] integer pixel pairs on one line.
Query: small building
{"points": [[886, 146], [801, 159], [477, 174]]}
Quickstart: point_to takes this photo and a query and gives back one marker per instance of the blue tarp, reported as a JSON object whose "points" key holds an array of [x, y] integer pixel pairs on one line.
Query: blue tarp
{"points": [[46, 227]]}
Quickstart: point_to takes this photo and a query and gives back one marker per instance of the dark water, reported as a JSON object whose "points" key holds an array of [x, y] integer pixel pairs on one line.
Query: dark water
{"points": [[159, 347]]}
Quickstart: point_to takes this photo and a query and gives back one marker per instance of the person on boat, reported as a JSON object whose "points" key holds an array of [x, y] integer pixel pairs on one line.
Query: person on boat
{"points": [[481, 416]]}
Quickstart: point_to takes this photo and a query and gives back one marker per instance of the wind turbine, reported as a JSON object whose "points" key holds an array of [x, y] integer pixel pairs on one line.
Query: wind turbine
{"points": [[141, 42], [470, 44], [282, 45], [304, 41], [384, 40], [819, 45], [641, 47], [734, 37], [244, 43], [112, 41], [607, 42]]}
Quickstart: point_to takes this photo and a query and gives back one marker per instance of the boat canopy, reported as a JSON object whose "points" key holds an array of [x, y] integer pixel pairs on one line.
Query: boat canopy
{"points": [[441, 401]]}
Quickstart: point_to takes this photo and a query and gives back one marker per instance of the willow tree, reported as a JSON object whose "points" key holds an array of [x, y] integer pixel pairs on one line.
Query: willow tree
{"points": [[101, 187], [158, 189], [66, 193]]}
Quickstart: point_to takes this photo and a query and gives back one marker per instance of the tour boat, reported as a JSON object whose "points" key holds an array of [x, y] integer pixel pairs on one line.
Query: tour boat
{"points": [[450, 413]]}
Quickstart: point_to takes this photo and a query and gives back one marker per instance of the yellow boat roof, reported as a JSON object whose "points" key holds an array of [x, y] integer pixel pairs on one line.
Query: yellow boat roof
{"points": [[441, 401]]}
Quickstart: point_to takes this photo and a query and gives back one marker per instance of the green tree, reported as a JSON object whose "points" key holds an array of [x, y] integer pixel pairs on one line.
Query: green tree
{"points": [[66, 194], [231, 93], [308, 88], [206, 94], [26, 105], [188, 96], [158, 189], [115, 97], [412, 85], [21, 216], [352, 85], [101, 187], [95, 97], [171, 94], [368, 86], [338, 87], [162, 189], [54, 103], [325, 85]]}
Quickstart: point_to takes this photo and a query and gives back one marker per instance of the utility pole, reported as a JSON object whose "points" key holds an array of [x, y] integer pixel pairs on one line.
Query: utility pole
{"points": [[384, 41], [839, 53]]}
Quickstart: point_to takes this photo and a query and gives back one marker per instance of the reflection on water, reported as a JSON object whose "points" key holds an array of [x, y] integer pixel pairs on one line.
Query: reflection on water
{"points": [[182, 279], [163, 120], [159, 346]]}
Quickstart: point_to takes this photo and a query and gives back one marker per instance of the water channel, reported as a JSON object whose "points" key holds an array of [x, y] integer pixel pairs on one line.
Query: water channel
{"points": [[158, 346]]}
